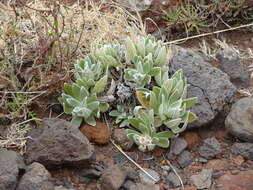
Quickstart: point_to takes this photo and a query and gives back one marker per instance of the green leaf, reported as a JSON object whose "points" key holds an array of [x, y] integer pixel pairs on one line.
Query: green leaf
{"points": [[162, 142], [173, 123], [131, 133], [100, 85], [192, 117], [162, 57], [165, 134], [131, 50], [190, 102], [114, 113], [91, 121], [68, 89], [104, 107], [154, 71], [76, 121]]}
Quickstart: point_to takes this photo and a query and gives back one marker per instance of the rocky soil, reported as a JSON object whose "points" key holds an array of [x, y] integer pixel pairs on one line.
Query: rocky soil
{"points": [[215, 152]]}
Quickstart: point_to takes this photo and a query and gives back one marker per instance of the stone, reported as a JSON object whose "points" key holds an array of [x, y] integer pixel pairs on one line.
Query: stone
{"points": [[90, 173], [178, 145], [128, 184], [120, 138], [140, 186], [212, 86], [239, 121], [145, 179], [166, 168], [192, 139], [36, 177], [112, 178], [136, 5], [11, 166], [58, 142], [241, 181], [231, 64], [202, 160], [217, 174], [235, 172], [219, 164], [131, 173], [202, 180], [172, 180], [243, 149], [210, 149], [62, 188], [99, 134], [185, 159]]}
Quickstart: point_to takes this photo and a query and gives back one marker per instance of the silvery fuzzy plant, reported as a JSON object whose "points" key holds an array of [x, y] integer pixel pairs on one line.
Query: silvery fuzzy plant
{"points": [[144, 132], [111, 55], [82, 104], [148, 57], [122, 114], [170, 105]]}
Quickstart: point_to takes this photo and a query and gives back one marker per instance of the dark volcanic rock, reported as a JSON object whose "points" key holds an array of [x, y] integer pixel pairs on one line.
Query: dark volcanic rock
{"points": [[185, 159], [178, 145], [239, 121], [113, 178], [120, 137], [231, 64], [243, 149], [36, 177], [57, 142], [210, 149], [11, 166], [212, 86]]}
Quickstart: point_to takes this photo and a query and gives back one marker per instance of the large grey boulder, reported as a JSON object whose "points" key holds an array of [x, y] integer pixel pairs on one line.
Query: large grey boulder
{"points": [[231, 64], [36, 178], [11, 166], [212, 86], [239, 121], [57, 142]]}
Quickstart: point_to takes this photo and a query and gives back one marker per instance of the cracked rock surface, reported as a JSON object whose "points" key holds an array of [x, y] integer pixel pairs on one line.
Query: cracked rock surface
{"points": [[212, 86]]}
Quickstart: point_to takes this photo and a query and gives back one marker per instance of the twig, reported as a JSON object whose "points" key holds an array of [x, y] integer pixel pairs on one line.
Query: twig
{"points": [[208, 34], [21, 92], [129, 158], [168, 162]]}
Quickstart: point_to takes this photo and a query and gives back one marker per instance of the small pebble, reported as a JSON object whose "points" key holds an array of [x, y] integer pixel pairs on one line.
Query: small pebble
{"points": [[235, 172], [166, 167], [203, 160]]}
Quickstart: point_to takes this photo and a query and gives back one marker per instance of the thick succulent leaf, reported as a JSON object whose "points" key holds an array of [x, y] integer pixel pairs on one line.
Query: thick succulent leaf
{"points": [[162, 57], [114, 113], [91, 121], [131, 133], [103, 107], [142, 98], [131, 50], [73, 102], [153, 102], [173, 123], [192, 117], [134, 122], [124, 123], [165, 134], [67, 108], [140, 46], [100, 85], [162, 142], [190, 102], [76, 121], [68, 89], [154, 71]]}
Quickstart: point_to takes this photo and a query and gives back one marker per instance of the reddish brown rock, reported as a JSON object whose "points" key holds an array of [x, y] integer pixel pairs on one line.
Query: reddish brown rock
{"points": [[191, 138], [241, 181], [99, 134], [218, 164]]}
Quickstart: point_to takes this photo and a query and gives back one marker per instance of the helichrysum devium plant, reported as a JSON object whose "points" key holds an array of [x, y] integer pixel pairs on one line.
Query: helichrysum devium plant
{"points": [[147, 57], [111, 55], [170, 105], [122, 115], [81, 104], [144, 132]]}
